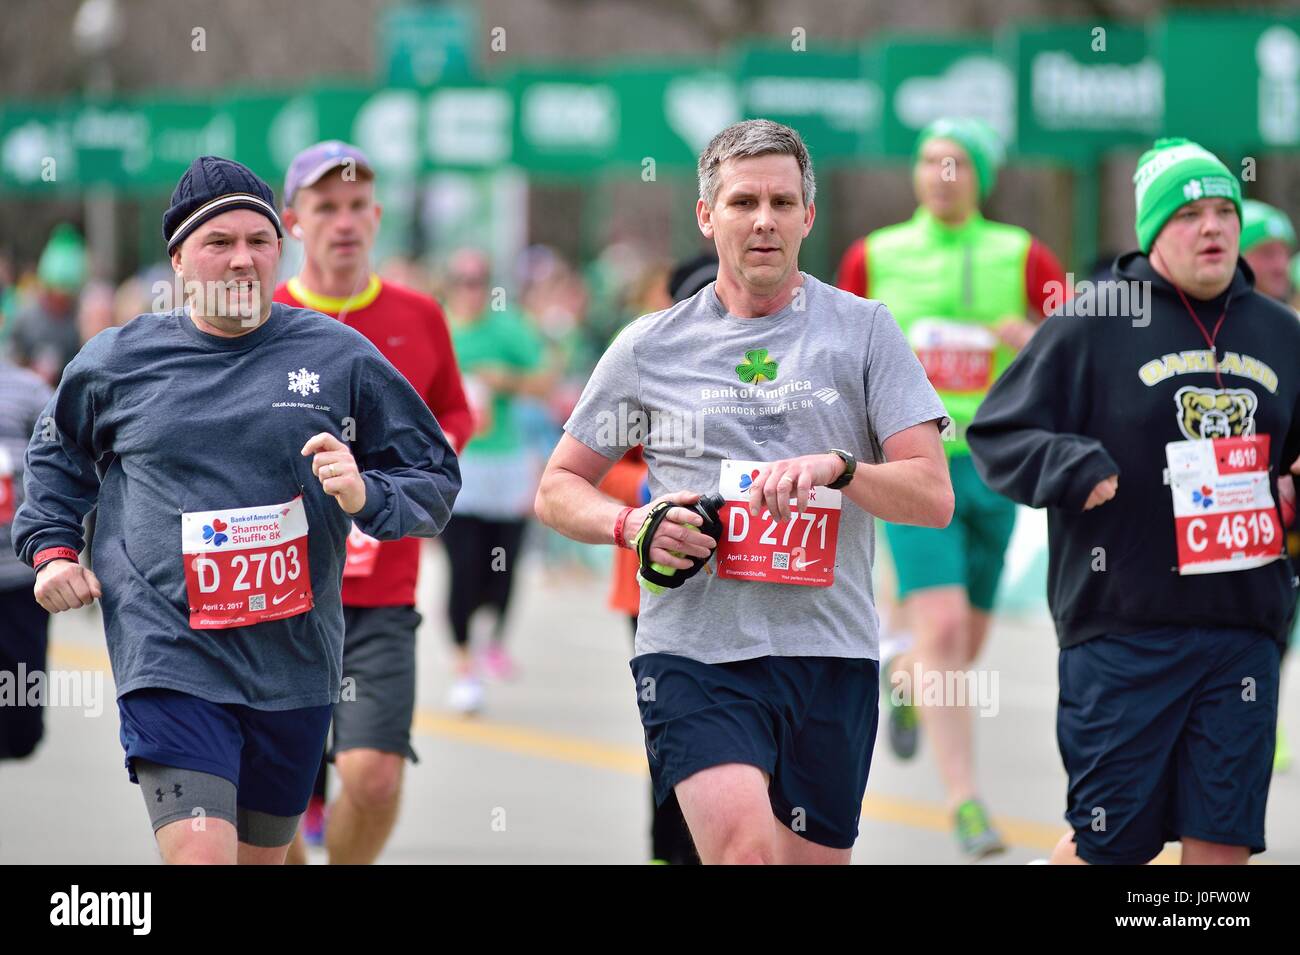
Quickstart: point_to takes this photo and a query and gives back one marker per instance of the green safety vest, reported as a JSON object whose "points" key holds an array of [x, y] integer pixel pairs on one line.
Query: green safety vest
{"points": [[971, 275]]}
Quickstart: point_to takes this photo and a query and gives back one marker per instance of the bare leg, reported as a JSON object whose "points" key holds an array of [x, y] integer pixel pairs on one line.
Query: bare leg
{"points": [[941, 622], [794, 849], [215, 844], [363, 816], [1200, 852], [729, 813]]}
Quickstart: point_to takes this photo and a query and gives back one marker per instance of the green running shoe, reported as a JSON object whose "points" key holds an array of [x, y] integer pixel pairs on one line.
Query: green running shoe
{"points": [[904, 719], [975, 833]]}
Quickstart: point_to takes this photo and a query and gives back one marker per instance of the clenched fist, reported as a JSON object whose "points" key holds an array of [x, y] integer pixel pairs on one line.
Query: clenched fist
{"points": [[65, 585], [337, 470]]}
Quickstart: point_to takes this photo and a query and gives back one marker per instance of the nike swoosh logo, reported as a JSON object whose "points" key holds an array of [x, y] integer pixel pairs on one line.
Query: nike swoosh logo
{"points": [[801, 564], [276, 601]]}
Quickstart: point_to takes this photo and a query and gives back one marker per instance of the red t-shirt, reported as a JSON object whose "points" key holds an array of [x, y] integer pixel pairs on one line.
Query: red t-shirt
{"points": [[411, 332], [1041, 269]]}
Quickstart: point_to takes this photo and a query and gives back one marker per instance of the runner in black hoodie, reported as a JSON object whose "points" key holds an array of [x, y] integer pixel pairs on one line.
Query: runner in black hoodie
{"points": [[1170, 594]]}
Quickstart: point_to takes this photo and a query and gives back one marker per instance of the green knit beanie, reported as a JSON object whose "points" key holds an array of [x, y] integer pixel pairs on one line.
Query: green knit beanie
{"points": [[980, 142], [62, 265], [1260, 222], [1172, 173]]}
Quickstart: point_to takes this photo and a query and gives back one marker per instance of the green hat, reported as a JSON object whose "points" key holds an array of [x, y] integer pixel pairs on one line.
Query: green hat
{"points": [[1260, 222], [1172, 173], [978, 139], [1295, 270], [62, 265]]}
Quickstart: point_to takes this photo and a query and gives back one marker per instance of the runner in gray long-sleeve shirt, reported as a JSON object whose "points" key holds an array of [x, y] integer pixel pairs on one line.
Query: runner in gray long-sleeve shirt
{"points": [[211, 444]]}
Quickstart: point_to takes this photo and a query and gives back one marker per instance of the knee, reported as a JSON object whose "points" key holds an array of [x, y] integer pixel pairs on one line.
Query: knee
{"points": [[746, 849], [946, 638], [374, 780], [183, 845]]}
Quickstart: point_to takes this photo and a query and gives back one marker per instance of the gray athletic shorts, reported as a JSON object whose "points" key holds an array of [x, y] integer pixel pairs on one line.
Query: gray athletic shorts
{"points": [[377, 701]]}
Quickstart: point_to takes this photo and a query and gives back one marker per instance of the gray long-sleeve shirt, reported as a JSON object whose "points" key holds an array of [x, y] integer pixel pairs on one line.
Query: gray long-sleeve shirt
{"points": [[157, 418]]}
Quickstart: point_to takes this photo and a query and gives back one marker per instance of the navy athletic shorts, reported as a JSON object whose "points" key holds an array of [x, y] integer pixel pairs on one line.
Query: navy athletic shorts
{"points": [[271, 756], [1164, 734], [808, 722]]}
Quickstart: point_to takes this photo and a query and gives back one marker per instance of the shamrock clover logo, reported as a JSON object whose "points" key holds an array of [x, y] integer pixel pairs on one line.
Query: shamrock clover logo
{"points": [[1202, 497], [747, 480], [212, 532], [757, 367]]}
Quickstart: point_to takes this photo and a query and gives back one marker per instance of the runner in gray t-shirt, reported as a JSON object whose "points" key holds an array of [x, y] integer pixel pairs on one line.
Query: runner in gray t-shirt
{"points": [[757, 677]]}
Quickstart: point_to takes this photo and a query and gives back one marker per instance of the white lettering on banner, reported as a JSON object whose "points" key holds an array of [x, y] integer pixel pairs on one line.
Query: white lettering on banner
{"points": [[1224, 515], [798, 551], [235, 559]]}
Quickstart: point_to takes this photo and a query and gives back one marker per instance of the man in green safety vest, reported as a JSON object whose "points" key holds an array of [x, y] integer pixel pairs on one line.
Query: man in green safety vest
{"points": [[968, 293]]}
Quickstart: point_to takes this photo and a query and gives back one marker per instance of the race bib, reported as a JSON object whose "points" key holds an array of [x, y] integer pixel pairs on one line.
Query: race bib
{"points": [[1224, 513], [6, 488], [956, 357], [363, 551], [247, 565], [798, 551]]}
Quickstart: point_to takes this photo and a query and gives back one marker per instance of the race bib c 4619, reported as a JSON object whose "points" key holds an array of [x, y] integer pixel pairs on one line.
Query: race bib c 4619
{"points": [[955, 356], [246, 565], [798, 551], [1224, 513]]}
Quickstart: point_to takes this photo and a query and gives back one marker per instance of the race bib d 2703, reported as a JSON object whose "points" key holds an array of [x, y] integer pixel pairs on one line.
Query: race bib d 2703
{"points": [[246, 565], [798, 551], [1224, 513]]}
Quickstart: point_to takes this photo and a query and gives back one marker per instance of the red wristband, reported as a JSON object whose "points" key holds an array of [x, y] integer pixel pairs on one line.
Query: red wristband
{"points": [[619, 540], [53, 553]]}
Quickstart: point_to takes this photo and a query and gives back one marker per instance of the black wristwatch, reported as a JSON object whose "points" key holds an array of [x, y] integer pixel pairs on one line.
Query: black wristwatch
{"points": [[850, 465]]}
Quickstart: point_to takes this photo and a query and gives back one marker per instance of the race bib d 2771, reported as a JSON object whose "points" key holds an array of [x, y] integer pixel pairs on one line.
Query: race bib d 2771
{"points": [[1224, 513], [246, 565], [798, 551]]}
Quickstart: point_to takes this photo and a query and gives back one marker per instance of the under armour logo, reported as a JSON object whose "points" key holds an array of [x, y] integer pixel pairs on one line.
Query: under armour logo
{"points": [[176, 791]]}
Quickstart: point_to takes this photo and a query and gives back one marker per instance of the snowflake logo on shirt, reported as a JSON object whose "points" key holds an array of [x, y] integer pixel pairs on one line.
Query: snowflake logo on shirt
{"points": [[304, 382]]}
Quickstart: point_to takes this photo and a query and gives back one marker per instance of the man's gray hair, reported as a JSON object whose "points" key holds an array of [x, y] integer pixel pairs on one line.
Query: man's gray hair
{"points": [[744, 140]]}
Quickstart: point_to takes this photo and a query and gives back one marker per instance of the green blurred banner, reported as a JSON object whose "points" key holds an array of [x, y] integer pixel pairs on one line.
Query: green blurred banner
{"points": [[833, 96], [1083, 88], [924, 79], [1232, 81], [1064, 92], [425, 46]]}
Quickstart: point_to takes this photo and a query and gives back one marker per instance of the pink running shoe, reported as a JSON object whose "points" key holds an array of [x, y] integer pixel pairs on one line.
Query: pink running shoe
{"points": [[498, 663]]}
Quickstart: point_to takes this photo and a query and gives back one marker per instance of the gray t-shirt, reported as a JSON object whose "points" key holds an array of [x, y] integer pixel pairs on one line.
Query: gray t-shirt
{"points": [[831, 370]]}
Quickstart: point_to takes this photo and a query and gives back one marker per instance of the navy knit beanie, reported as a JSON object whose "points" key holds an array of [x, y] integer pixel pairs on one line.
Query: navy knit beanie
{"points": [[211, 186]]}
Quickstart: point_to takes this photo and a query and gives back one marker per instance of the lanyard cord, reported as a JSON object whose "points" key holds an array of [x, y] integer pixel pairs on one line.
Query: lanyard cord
{"points": [[1209, 337]]}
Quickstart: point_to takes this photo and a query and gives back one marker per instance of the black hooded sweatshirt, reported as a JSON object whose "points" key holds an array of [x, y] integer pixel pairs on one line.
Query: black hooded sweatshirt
{"points": [[1094, 396]]}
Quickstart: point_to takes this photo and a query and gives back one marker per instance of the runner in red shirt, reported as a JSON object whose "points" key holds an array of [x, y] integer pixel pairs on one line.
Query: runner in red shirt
{"points": [[330, 207]]}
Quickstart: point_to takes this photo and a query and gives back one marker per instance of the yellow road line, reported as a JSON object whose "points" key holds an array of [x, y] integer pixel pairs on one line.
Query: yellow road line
{"points": [[631, 760]]}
